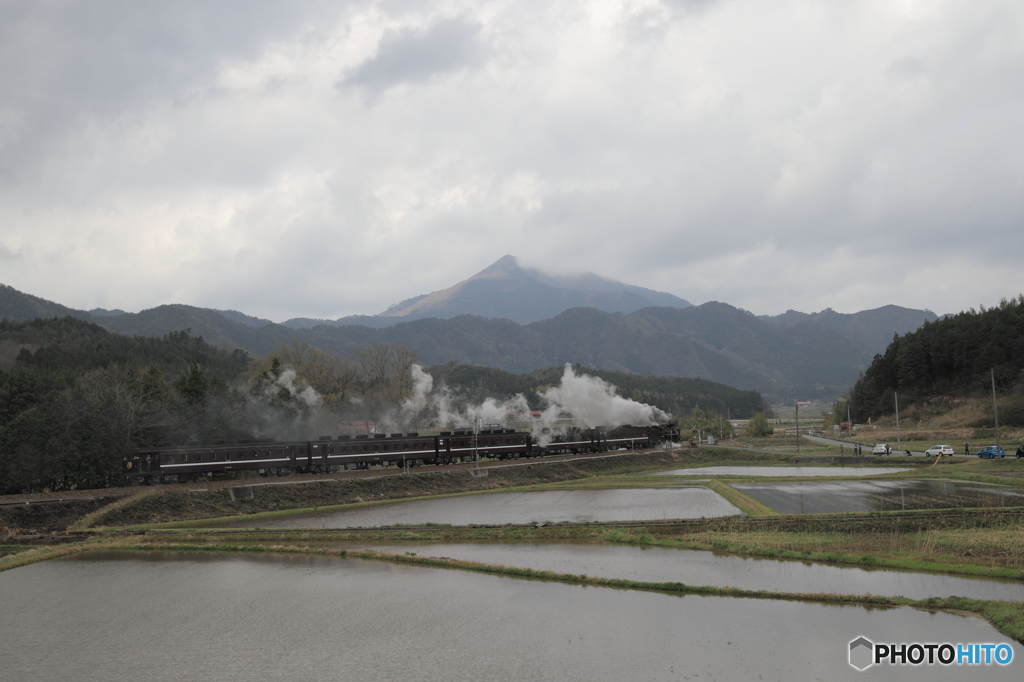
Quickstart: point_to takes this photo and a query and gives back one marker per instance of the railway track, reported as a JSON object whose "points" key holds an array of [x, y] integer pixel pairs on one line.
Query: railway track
{"points": [[294, 479]]}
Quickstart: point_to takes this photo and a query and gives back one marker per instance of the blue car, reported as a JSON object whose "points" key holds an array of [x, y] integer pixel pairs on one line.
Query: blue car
{"points": [[991, 452]]}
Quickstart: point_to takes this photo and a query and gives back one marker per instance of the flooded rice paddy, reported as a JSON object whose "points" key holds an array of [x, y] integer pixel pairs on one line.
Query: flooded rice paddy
{"points": [[659, 564], [636, 504], [161, 616], [813, 497], [781, 471]]}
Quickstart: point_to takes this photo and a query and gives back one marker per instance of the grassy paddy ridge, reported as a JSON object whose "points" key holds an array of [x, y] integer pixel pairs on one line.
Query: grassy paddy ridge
{"points": [[984, 543]]}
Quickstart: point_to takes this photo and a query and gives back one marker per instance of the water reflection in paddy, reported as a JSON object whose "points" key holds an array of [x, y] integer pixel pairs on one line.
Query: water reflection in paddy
{"points": [[500, 508], [170, 617], [860, 496], [781, 471], [658, 564]]}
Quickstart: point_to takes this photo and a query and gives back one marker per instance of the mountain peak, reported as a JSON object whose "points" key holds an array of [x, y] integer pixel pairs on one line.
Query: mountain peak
{"points": [[505, 264], [506, 289]]}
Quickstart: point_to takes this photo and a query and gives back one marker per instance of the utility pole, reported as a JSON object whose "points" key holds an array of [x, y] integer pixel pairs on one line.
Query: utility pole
{"points": [[849, 422], [995, 410], [476, 436], [797, 427], [896, 397]]}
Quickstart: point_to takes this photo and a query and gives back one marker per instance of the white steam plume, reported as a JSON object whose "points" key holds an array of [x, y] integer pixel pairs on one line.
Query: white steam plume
{"points": [[589, 399], [596, 403], [437, 405], [422, 383], [307, 394]]}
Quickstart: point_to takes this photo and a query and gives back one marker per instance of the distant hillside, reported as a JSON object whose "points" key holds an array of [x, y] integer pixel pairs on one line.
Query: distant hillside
{"points": [[675, 395], [714, 341], [360, 320], [957, 356], [507, 290], [212, 325], [15, 305], [872, 328], [242, 318], [794, 355]]}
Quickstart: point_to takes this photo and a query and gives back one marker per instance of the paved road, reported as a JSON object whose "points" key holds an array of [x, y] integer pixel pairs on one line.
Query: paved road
{"points": [[867, 448], [814, 439]]}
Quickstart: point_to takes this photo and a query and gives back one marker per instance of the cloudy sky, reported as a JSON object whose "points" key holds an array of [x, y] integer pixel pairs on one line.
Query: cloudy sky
{"points": [[332, 158]]}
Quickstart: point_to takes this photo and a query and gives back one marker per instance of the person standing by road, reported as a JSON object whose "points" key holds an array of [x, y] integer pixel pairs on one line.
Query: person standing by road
{"points": [[967, 449]]}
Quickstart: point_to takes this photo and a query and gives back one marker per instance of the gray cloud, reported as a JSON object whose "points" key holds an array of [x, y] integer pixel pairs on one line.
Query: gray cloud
{"points": [[786, 156], [415, 55], [72, 66]]}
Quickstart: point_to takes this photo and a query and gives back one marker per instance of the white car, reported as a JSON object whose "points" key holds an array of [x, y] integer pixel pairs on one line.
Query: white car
{"points": [[881, 449], [936, 450]]}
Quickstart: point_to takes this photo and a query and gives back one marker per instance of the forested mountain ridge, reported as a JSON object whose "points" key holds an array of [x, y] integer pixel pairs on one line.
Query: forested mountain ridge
{"points": [[675, 395], [956, 356], [713, 341], [16, 305], [871, 328], [212, 325], [799, 356]]}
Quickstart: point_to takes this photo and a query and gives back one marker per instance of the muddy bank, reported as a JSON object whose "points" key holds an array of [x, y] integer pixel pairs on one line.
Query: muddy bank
{"points": [[41, 518]]}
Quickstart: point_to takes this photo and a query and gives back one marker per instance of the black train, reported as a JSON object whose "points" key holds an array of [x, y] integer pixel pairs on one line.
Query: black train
{"points": [[271, 458]]}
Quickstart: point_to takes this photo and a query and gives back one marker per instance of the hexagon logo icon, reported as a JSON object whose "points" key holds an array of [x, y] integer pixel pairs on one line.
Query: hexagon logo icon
{"points": [[862, 653]]}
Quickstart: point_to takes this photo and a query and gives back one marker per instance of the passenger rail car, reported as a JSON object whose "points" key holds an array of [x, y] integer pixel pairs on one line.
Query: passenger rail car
{"points": [[326, 455], [604, 438]]}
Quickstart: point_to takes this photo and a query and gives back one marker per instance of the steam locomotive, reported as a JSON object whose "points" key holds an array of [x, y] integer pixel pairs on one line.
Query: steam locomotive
{"points": [[328, 454]]}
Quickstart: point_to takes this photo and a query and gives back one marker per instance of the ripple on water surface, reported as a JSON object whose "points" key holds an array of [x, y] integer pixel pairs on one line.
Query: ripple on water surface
{"points": [[628, 504], [231, 618], [812, 497], [781, 471]]}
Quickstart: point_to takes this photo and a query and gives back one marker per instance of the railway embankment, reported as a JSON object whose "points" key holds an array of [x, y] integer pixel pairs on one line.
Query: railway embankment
{"points": [[35, 517], [38, 519], [192, 503]]}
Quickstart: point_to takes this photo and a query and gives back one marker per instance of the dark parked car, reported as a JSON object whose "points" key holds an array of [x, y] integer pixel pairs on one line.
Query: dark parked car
{"points": [[991, 452], [1020, 451]]}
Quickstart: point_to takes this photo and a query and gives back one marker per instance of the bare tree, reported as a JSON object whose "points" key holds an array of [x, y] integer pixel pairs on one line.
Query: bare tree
{"points": [[387, 371], [133, 401], [332, 376]]}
